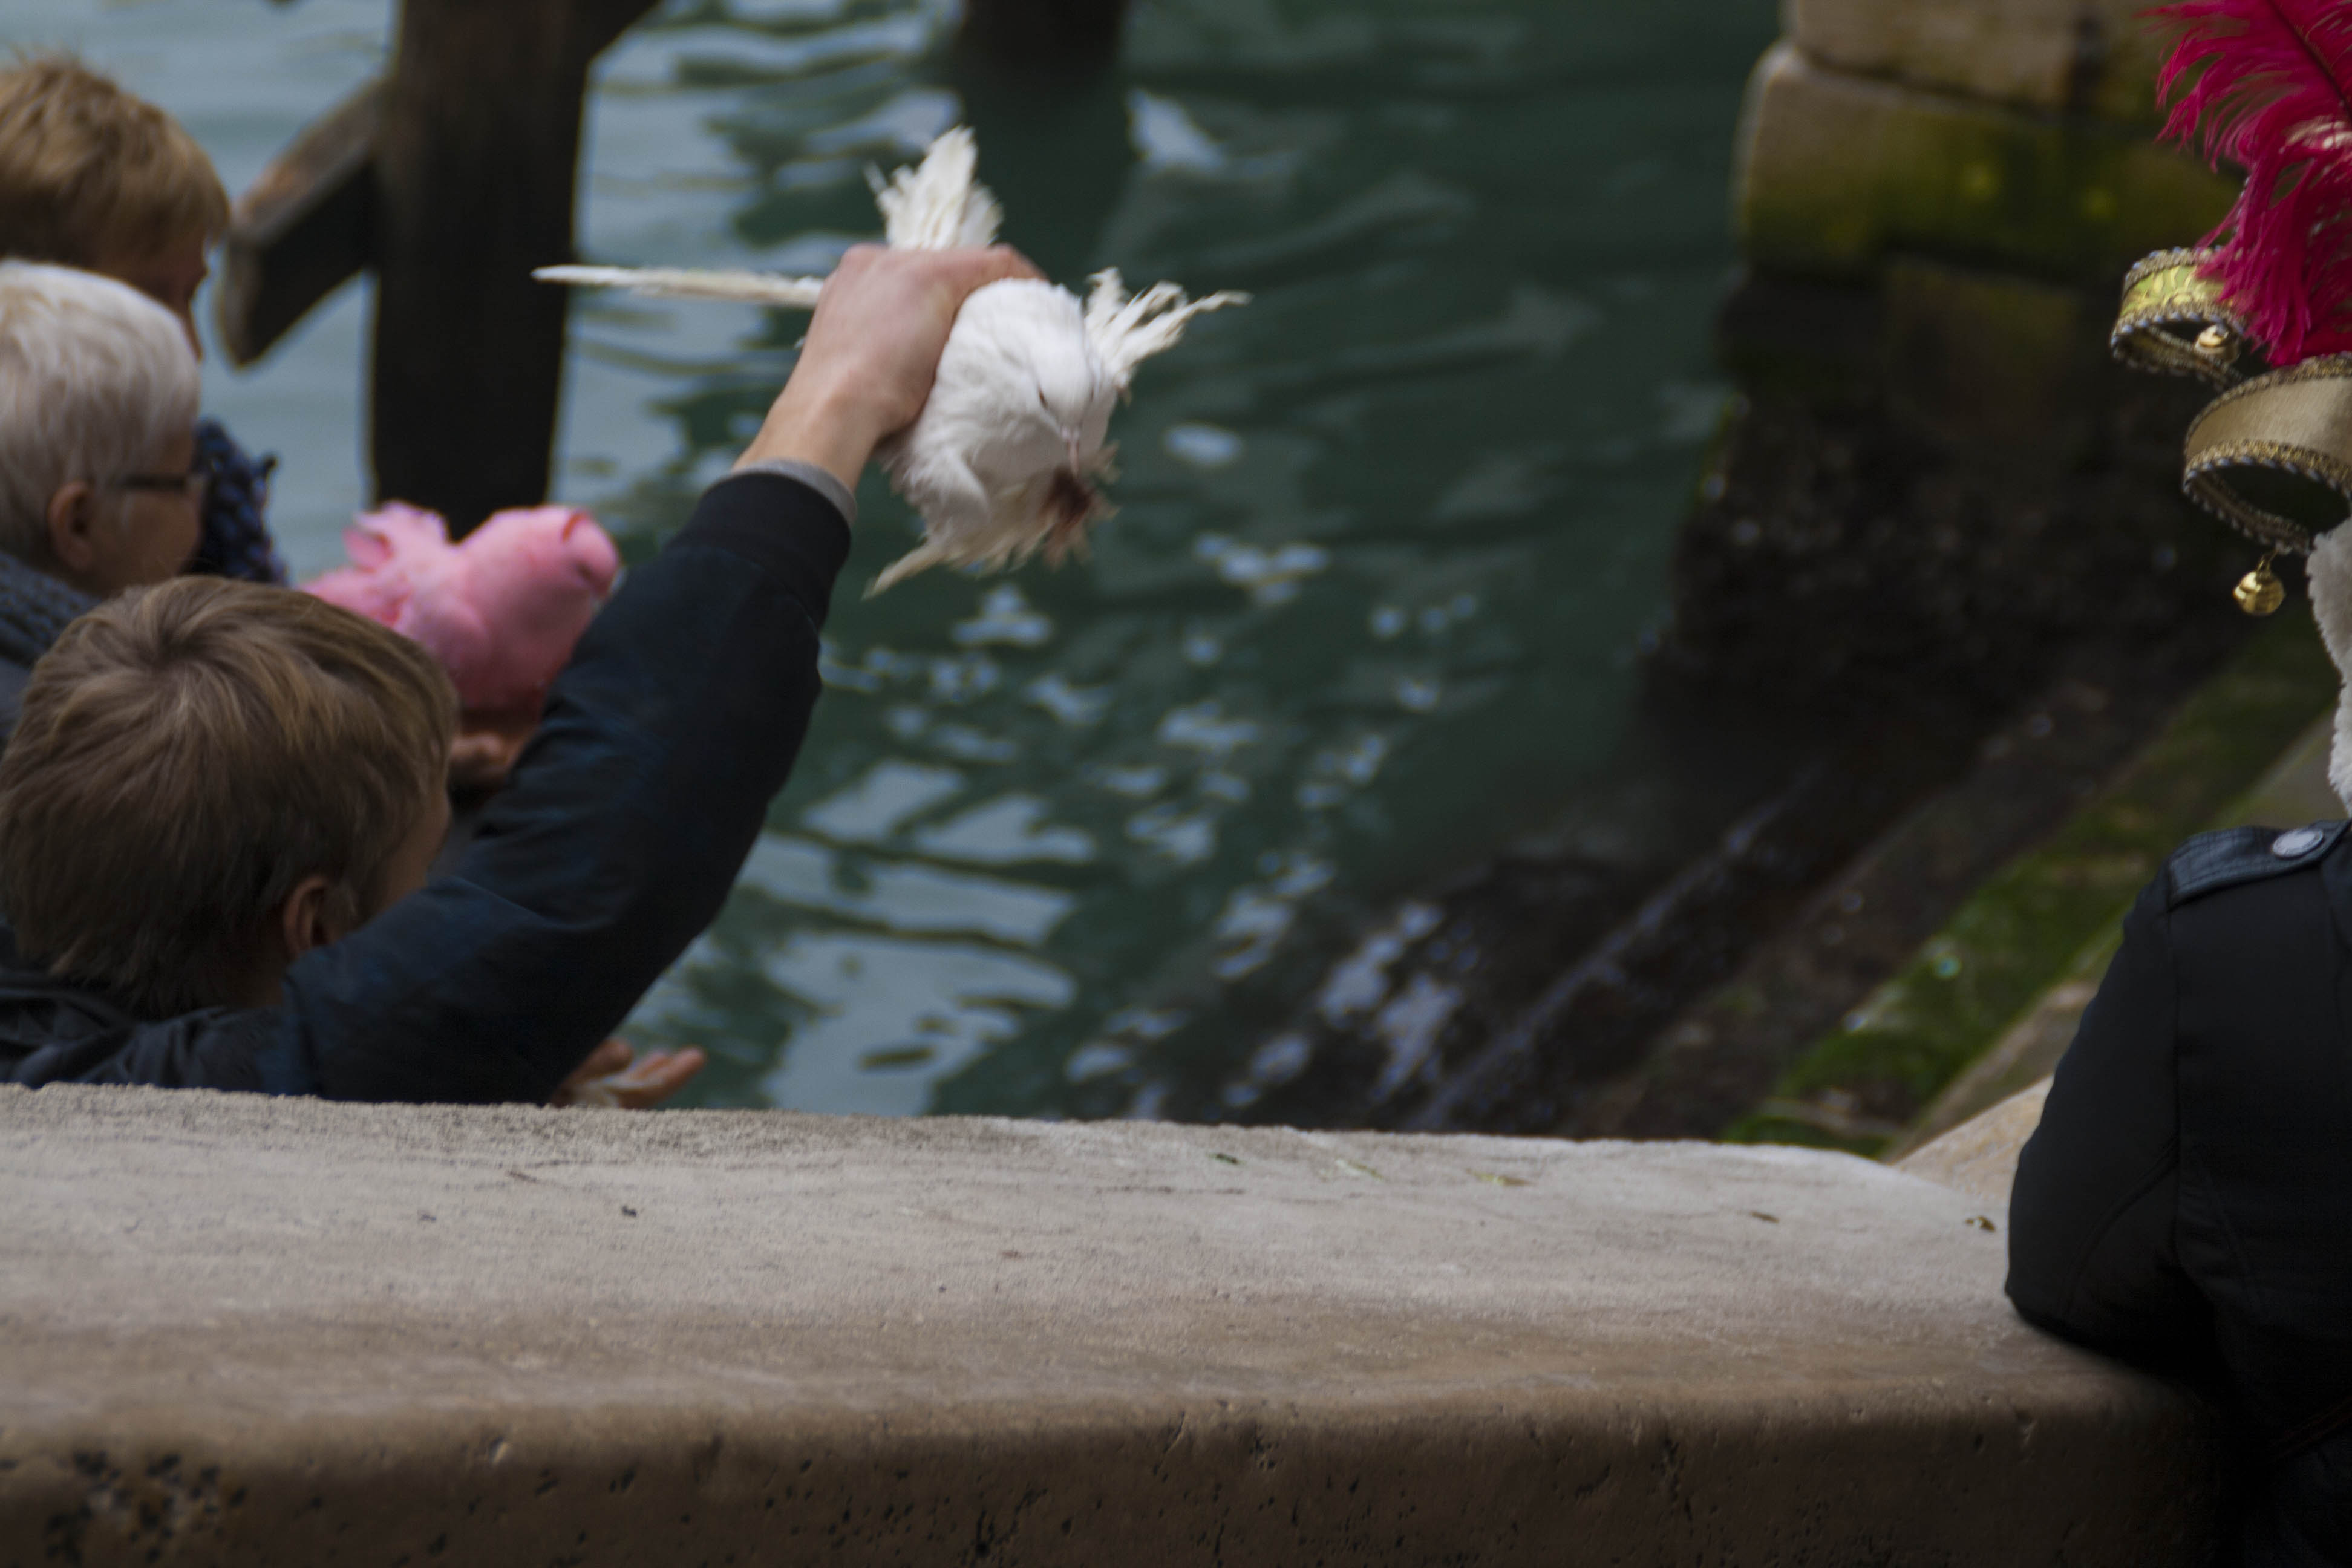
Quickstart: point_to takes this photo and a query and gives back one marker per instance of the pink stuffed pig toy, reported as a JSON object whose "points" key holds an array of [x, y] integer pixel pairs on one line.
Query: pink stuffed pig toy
{"points": [[500, 609]]}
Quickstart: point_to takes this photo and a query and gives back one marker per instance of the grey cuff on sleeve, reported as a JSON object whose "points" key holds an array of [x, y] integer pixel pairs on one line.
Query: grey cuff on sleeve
{"points": [[823, 481]]}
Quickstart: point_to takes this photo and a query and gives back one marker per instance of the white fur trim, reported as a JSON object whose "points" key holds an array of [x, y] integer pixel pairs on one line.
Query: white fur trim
{"points": [[2329, 574]]}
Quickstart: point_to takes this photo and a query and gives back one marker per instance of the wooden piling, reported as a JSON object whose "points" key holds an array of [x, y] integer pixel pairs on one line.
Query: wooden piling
{"points": [[301, 230], [475, 175], [1044, 32], [452, 179]]}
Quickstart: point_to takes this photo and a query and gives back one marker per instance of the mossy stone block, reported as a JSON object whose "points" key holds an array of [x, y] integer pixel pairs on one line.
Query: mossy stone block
{"points": [[1837, 171], [2090, 57]]}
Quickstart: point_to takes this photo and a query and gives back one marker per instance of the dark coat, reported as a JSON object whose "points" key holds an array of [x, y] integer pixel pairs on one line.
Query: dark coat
{"points": [[33, 608], [2186, 1202], [629, 816]]}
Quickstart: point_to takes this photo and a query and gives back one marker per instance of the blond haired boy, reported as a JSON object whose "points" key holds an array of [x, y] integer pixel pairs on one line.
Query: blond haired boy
{"points": [[217, 813], [96, 178]]}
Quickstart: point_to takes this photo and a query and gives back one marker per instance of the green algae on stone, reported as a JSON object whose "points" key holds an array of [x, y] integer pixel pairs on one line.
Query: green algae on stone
{"points": [[2296, 790], [2025, 1052], [1839, 171], [2030, 923]]}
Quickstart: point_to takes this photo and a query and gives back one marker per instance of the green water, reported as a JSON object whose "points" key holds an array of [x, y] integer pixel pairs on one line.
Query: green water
{"points": [[1390, 541]]}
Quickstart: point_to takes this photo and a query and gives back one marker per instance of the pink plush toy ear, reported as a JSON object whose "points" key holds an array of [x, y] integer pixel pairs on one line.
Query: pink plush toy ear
{"points": [[390, 548], [367, 551], [393, 529]]}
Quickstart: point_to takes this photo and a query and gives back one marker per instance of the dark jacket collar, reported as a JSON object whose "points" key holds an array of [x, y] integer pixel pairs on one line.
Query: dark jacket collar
{"points": [[57, 1031]]}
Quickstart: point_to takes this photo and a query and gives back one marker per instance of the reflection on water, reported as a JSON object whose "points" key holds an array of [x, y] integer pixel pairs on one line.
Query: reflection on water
{"points": [[1389, 540]]}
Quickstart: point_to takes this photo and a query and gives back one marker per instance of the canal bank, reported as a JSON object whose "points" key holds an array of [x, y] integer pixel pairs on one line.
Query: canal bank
{"points": [[1396, 761], [1941, 538]]}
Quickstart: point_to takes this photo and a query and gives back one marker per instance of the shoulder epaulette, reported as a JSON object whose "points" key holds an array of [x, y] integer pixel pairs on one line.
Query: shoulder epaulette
{"points": [[2211, 861]]}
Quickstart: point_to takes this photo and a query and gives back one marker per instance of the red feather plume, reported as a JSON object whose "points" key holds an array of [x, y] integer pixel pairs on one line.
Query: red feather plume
{"points": [[2267, 85]]}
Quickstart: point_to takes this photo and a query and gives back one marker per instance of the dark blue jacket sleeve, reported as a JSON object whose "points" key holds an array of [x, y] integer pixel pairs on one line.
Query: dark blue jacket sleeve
{"points": [[630, 815]]}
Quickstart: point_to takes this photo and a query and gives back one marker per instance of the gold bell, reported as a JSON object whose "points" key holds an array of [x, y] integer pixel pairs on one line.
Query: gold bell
{"points": [[2213, 340], [2260, 592]]}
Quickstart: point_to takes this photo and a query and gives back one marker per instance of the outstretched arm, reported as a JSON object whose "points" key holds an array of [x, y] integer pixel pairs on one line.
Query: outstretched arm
{"points": [[675, 724]]}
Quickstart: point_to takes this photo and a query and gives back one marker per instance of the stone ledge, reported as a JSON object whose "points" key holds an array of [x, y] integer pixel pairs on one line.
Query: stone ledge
{"points": [[242, 1331], [1980, 1156]]}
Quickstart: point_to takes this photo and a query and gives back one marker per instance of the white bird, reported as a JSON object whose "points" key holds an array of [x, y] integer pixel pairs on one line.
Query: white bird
{"points": [[1003, 460]]}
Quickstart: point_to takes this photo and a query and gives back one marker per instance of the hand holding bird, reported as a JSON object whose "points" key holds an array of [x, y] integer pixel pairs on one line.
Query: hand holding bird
{"points": [[1002, 457], [872, 353]]}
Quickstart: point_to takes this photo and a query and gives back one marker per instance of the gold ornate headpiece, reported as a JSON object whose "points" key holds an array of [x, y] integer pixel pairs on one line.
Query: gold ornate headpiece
{"points": [[2175, 322], [2271, 456]]}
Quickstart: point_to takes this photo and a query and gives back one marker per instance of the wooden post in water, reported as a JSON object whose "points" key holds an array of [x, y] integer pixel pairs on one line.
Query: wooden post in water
{"points": [[300, 230], [476, 177], [452, 180], [1044, 32]]}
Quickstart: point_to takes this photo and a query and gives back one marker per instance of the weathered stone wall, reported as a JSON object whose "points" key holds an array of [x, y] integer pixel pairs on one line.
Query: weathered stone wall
{"points": [[1935, 476], [1939, 552], [241, 1331], [2086, 56]]}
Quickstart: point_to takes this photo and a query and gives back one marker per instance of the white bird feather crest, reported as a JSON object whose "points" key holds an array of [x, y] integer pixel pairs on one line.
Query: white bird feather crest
{"points": [[939, 203], [997, 465]]}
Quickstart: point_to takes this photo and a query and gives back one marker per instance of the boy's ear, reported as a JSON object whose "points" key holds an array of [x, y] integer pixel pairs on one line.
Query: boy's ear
{"points": [[73, 519], [304, 921]]}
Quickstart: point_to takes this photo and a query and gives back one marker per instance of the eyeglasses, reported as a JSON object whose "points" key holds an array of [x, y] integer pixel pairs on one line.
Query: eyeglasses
{"points": [[195, 484]]}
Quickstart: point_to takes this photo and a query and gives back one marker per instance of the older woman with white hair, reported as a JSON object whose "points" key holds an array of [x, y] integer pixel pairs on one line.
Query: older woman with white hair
{"points": [[99, 489]]}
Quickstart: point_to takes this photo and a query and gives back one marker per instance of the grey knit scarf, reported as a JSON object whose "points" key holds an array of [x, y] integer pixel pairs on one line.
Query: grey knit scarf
{"points": [[33, 608]]}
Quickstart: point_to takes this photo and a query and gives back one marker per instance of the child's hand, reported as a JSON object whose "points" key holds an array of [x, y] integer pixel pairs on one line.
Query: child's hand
{"points": [[480, 760], [486, 748], [614, 1076]]}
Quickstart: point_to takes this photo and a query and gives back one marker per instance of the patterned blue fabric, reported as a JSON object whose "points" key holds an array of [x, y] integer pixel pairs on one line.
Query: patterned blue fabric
{"points": [[33, 608], [236, 542]]}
